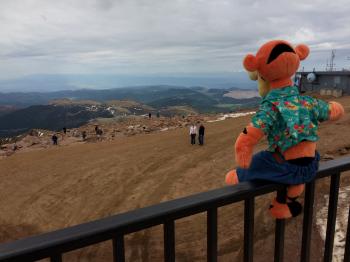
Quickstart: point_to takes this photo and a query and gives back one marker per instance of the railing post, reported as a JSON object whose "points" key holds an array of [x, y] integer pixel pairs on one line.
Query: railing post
{"points": [[56, 258], [248, 230], [118, 249], [307, 223], [169, 241], [279, 231], [332, 215], [212, 235], [347, 243]]}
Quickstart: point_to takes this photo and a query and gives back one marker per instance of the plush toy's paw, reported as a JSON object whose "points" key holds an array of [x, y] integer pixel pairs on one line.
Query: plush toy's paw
{"points": [[287, 210], [336, 111], [231, 178]]}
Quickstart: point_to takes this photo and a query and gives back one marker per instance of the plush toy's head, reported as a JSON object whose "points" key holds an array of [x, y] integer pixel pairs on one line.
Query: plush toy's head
{"points": [[276, 60]]}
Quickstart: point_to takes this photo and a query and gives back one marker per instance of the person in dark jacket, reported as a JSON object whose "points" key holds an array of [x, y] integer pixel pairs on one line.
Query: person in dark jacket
{"points": [[54, 139], [201, 135], [83, 134]]}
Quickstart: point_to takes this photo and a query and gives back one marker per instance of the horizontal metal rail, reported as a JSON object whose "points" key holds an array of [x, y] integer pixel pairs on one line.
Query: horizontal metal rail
{"points": [[54, 244]]}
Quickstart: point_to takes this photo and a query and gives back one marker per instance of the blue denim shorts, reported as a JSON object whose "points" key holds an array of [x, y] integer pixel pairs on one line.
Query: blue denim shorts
{"points": [[265, 167]]}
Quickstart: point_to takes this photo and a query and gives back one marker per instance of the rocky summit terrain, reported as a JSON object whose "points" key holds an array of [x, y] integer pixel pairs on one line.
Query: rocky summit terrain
{"points": [[138, 162], [70, 113], [111, 129]]}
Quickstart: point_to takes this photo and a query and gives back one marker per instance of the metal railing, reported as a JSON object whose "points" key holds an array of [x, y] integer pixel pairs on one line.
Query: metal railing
{"points": [[52, 245]]}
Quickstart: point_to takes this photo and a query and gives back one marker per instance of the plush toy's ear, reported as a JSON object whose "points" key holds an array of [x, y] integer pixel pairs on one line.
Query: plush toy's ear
{"points": [[253, 75], [302, 51], [250, 63]]}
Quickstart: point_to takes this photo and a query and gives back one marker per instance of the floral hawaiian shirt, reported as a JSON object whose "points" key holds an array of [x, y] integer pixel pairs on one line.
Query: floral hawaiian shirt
{"points": [[287, 118]]}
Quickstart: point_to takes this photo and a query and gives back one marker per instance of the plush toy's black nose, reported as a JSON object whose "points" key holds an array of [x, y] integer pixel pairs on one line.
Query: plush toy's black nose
{"points": [[279, 49]]}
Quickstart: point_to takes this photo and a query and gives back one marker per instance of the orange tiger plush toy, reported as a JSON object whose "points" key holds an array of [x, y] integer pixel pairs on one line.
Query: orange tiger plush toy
{"points": [[290, 123]]}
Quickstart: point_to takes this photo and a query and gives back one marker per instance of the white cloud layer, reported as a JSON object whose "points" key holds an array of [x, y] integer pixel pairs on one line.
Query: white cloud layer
{"points": [[162, 36]]}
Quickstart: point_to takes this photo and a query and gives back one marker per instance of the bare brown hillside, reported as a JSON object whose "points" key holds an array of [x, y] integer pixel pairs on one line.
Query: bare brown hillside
{"points": [[53, 188]]}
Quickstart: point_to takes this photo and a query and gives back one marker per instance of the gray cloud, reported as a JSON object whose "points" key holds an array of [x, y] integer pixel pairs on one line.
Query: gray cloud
{"points": [[162, 36]]}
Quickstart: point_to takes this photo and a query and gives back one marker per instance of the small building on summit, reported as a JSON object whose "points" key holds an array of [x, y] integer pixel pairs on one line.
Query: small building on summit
{"points": [[335, 83]]}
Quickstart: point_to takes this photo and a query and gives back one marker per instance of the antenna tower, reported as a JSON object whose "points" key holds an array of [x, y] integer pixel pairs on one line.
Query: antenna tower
{"points": [[331, 64]]}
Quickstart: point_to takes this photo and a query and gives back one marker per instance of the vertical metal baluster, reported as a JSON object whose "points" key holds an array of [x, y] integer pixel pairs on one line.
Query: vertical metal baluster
{"points": [[307, 223], [347, 243], [56, 258], [279, 231], [212, 235], [118, 249], [332, 215], [248, 230], [169, 241]]}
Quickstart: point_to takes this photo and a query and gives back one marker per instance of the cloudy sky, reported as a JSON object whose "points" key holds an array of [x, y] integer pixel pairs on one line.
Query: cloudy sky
{"points": [[162, 37]]}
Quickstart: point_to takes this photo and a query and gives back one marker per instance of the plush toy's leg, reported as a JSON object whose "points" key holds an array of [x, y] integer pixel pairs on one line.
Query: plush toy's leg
{"points": [[285, 210], [245, 143], [288, 208], [280, 210], [294, 191], [231, 178]]}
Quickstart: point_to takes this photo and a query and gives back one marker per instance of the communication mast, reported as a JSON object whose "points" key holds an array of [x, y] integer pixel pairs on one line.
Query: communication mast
{"points": [[331, 65]]}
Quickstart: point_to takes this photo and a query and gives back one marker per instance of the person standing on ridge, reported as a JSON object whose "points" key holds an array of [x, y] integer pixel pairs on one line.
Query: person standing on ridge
{"points": [[193, 132], [54, 139], [99, 134], [83, 134], [14, 147], [201, 135]]}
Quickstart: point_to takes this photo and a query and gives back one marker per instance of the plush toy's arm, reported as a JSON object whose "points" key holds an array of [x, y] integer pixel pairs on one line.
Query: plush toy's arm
{"points": [[328, 111], [336, 110], [245, 144]]}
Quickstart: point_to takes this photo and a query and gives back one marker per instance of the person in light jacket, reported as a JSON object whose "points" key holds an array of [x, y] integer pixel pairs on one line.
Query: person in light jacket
{"points": [[193, 133]]}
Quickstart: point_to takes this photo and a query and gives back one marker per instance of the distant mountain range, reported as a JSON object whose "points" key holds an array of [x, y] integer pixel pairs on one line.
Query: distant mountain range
{"points": [[203, 99], [54, 110], [58, 82], [6, 109]]}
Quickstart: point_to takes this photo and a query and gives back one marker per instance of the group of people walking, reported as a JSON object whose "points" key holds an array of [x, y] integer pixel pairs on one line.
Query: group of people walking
{"points": [[55, 137], [193, 134]]}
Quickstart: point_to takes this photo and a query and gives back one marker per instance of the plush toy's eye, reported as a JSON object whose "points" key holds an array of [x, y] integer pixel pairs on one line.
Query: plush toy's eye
{"points": [[279, 49]]}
